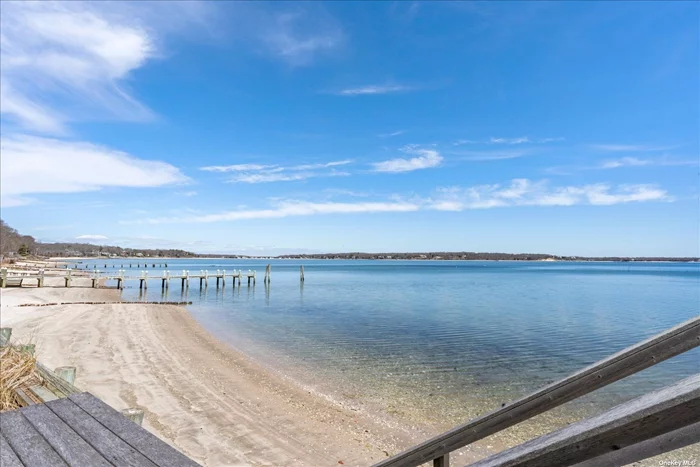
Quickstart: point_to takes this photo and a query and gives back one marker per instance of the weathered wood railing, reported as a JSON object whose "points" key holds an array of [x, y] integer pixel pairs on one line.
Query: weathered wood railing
{"points": [[624, 428]]}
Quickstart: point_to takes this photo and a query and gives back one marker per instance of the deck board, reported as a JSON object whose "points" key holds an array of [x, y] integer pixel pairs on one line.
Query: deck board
{"points": [[113, 448], [65, 441], [80, 431], [153, 448], [8, 458], [31, 448]]}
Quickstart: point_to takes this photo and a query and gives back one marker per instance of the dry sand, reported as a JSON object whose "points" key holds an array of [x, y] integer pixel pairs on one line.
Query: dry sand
{"points": [[209, 401]]}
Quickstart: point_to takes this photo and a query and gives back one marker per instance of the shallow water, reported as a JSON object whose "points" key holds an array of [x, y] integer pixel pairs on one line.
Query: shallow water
{"points": [[434, 340]]}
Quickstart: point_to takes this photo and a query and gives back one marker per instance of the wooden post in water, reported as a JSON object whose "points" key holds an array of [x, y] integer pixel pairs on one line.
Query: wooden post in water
{"points": [[66, 373], [301, 273], [218, 274], [95, 279], [3, 277], [223, 278], [268, 271], [40, 280], [135, 415], [5, 334], [187, 279]]}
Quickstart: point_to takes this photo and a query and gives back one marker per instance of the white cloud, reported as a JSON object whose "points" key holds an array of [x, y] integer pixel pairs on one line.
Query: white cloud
{"points": [[373, 89], [636, 162], [298, 38], [267, 177], [71, 56], [425, 159], [319, 166], [519, 192], [187, 194], [521, 140], [236, 168], [259, 173], [523, 192], [91, 237], [461, 142], [32, 165], [550, 140], [389, 135], [292, 208]]}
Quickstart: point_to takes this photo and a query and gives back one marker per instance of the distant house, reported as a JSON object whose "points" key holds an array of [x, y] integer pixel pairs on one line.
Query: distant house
{"points": [[139, 254]]}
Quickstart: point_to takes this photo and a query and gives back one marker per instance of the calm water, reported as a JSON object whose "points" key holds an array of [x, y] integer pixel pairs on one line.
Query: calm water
{"points": [[448, 339]]}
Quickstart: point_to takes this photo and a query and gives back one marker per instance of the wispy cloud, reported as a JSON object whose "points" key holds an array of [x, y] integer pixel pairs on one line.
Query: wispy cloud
{"points": [[66, 61], [521, 140], [91, 237], [236, 168], [523, 192], [187, 194], [625, 162], [292, 208], [373, 89], [389, 135], [268, 177], [424, 159], [299, 37], [630, 147], [518, 192], [461, 142], [261, 173], [33, 165], [550, 140]]}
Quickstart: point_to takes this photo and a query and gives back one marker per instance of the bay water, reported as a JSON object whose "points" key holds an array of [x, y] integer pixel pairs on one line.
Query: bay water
{"points": [[435, 343]]}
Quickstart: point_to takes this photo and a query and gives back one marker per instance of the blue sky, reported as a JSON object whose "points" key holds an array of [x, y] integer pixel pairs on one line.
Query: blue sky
{"points": [[260, 128]]}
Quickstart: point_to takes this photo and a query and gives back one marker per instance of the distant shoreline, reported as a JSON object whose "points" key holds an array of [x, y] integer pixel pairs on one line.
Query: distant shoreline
{"points": [[512, 260]]}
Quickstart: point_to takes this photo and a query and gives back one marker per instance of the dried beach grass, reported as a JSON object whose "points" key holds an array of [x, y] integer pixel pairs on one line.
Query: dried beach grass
{"points": [[17, 370]]}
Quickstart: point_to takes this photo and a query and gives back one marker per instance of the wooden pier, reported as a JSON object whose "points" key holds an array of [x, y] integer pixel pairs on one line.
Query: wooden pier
{"points": [[143, 276]]}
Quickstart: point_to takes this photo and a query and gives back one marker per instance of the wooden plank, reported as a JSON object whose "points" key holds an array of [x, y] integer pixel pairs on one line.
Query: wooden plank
{"points": [[644, 418], [26, 398], [8, 458], [156, 450], [631, 360], [5, 335], [31, 448], [112, 448], [58, 385], [43, 394], [64, 440], [652, 447]]}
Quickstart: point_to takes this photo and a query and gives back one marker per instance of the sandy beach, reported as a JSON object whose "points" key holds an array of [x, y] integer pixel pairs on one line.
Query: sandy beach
{"points": [[212, 403]]}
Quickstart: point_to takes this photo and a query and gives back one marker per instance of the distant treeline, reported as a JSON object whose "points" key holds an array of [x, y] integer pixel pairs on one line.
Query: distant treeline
{"points": [[13, 243], [469, 255]]}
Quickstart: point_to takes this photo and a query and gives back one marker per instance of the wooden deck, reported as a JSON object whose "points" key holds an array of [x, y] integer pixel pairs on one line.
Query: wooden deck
{"points": [[80, 430]]}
